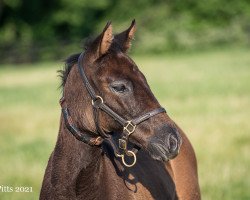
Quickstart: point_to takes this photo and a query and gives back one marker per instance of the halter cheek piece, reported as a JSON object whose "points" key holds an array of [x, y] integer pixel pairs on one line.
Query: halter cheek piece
{"points": [[98, 103]]}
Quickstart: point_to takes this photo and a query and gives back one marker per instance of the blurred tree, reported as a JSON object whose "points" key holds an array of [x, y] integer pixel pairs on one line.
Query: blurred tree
{"points": [[46, 29]]}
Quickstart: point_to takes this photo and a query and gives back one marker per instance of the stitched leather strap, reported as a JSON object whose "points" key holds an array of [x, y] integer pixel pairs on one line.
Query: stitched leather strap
{"points": [[86, 138], [85, 80], [146, 116]]}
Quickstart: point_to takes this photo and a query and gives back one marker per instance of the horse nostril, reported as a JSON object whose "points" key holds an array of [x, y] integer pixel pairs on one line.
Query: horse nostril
{"points": [[172, 143]]}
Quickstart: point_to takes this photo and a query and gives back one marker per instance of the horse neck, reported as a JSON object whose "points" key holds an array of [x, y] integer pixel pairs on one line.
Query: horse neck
{"points": [[75, 149], [74, 163], [78, 163]]}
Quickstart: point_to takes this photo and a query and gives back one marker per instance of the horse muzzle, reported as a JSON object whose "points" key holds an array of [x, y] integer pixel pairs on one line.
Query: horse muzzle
{"points": [[165, 144]]}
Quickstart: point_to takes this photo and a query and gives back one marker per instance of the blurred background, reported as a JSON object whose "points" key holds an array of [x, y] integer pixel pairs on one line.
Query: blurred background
{"points": [[194, 54], [40, 30]]}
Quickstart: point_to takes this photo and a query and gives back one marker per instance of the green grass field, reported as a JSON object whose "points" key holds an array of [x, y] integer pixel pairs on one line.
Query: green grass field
{"points": [[206, 93]]}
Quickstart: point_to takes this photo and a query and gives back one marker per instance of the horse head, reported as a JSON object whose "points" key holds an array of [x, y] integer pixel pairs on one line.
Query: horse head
{"points": [[116, 78]]}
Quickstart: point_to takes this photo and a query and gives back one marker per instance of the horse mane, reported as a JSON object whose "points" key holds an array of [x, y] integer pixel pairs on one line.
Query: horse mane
{"points": [[69, 62]]}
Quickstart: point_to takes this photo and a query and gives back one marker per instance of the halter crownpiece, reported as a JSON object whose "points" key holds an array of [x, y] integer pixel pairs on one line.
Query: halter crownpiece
{"points": [[98, 103]]}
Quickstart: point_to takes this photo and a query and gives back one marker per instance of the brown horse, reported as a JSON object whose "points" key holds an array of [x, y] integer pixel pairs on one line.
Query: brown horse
{"points": [[107, 109]]}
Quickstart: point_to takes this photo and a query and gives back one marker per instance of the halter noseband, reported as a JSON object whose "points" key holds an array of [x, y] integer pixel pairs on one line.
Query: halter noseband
{"points": [[98, 103]]}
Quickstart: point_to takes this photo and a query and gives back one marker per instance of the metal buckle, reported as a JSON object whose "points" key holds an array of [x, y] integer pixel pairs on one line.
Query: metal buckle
{"points": [[130, 127], [97, 102], [122, 144]]}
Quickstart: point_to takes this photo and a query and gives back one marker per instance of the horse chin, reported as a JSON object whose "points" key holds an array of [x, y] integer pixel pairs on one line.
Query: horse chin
{"points": [[160, 152]]}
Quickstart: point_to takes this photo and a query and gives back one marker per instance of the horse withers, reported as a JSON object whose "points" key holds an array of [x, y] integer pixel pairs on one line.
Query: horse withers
{"points": [[115, 140]]}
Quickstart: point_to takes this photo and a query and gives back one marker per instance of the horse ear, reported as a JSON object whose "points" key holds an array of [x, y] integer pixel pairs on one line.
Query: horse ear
{"points": [[107, 37], [102, 43], [124, 38]]}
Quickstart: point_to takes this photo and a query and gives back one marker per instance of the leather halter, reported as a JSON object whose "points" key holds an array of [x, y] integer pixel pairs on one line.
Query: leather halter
{"points": [[98, 103]]}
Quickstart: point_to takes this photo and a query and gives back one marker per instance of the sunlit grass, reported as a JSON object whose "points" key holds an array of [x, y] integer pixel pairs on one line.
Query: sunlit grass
{"points": [[207, 94]]}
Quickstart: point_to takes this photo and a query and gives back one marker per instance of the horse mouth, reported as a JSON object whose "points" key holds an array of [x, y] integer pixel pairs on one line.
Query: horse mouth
{"points": [[166, 148]]}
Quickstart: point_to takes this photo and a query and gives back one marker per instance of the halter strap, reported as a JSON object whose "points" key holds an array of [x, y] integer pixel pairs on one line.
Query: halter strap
{"points": [[86, 138], [85, 80]]}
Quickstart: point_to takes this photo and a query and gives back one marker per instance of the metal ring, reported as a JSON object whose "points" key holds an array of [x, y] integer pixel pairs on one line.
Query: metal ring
{"points": [[131, 154], [93, 101]]}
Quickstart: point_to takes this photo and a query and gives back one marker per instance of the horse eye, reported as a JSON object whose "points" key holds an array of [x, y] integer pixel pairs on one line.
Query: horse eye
{"points": [[120, 88]]}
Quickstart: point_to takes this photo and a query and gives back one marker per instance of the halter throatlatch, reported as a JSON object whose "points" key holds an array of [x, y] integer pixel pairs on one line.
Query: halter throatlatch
{"points": [[98, 103]]}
